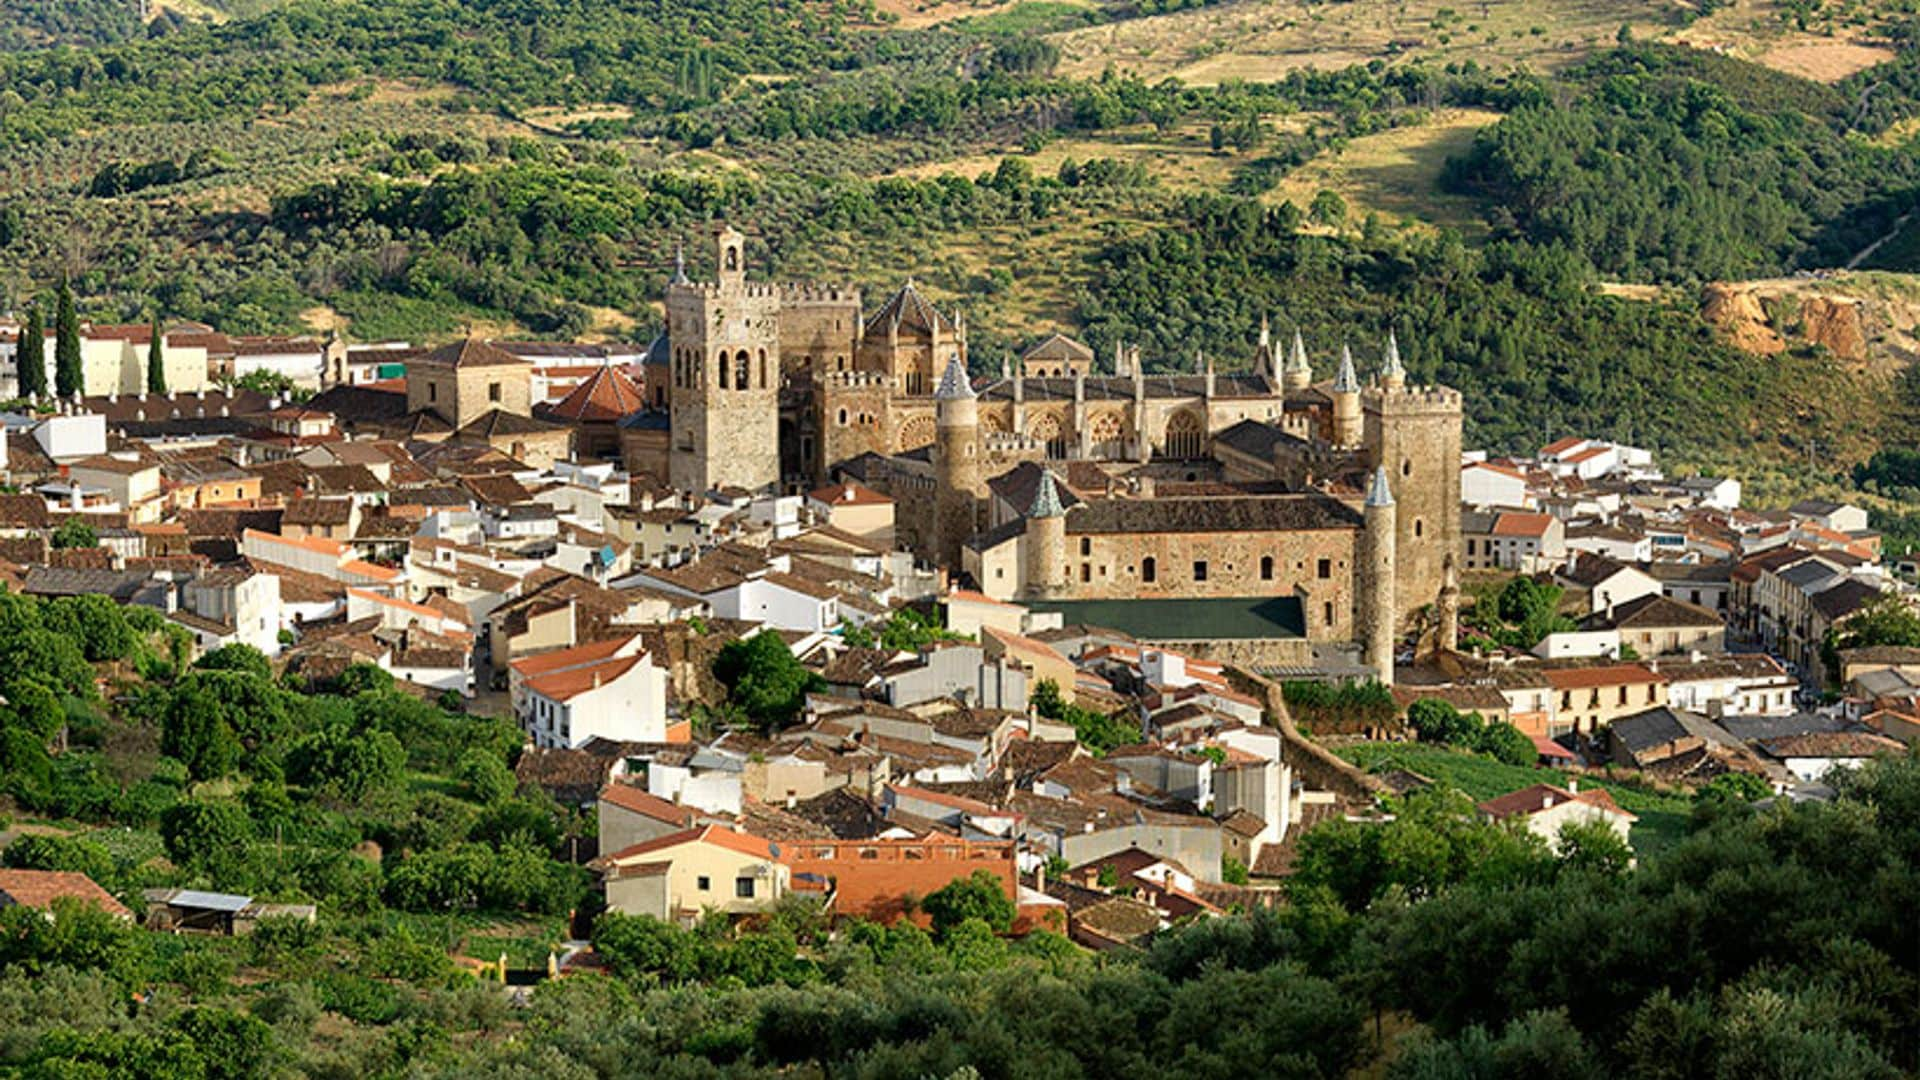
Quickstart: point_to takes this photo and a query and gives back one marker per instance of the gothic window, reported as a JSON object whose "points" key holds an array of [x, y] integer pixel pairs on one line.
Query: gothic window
{"points": [[1185, 437], [916, 433], [742, 370], [1149, 570], [1105, 435], [1045, 428]]}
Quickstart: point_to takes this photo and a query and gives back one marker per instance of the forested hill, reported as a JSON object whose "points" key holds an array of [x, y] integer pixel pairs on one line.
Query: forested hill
{"points": [[406, 168], [1663, 163]]}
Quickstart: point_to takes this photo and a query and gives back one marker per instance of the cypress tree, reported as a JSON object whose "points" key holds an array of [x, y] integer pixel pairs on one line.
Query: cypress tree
{"points": [[32, 355], [67, 377], [156, 370]]}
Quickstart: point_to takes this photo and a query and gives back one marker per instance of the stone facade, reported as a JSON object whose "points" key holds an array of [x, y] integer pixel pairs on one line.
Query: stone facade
{"points": [[725, 376]]}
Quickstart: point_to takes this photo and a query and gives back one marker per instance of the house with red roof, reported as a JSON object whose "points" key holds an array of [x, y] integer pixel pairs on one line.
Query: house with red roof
{"points": [[1545, 809], [41, 888], [710, 868], [609, 690]]}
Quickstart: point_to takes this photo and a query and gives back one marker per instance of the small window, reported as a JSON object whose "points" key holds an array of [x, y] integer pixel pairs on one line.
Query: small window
{"points": [[493, 391], [1086, 545], [433, 391], [743, 888], [1406, 467], [1328, 613], [1149, 570], [703, 883], [1200, 570], [1086, 572], [1623, 695], [1266, 568], [1325, 569], [1419, 527]]}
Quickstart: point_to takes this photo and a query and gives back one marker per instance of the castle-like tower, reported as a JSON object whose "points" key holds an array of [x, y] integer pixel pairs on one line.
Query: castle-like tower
{"points": [[958, 479], [1377, 616], [1046, 538], [725, 350], [1347, 429], [1413, 433]]}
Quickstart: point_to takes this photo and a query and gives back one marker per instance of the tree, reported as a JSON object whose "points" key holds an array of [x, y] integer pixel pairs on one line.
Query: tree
{"points": [[33, 361], [1328, 208], [1437, 721], [980, 896], [1593, 846], [764, 680], [347, 762], [75, 533], [1509, 744], [156, 365], [68, 378], [237, 657], [486, 776], [207, 836], [95, 623], [1884, 620]]}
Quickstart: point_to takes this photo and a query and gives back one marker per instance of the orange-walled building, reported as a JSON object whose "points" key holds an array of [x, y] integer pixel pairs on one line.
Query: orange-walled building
{"points": [[876, 879]]}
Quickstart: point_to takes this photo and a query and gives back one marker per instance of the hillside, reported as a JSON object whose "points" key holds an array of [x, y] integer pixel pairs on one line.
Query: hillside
{"points": [[407, 169]]}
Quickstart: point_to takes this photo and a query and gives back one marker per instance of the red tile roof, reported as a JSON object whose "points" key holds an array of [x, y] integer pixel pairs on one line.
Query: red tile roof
{"points": [[40, 888], [1531, 525], [1532, 800], [1583, 678], [605, 396], [628, 797]]}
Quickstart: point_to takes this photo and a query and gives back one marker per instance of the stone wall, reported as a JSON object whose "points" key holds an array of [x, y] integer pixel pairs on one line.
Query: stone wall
{"points": [[1316, 767]]}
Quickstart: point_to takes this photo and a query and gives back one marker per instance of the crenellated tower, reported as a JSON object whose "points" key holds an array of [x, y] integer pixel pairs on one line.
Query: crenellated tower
{"points": [[724, 340], [1413, 432]]}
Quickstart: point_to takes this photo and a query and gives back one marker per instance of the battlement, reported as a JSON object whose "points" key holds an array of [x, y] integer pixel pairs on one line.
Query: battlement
{"points": [[856, 380], [755, 290], [1009, 442], [1415, 399], [808, 292]]}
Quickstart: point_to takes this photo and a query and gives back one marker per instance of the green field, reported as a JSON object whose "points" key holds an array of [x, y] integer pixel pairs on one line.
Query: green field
{"points": [[1663, 818]]}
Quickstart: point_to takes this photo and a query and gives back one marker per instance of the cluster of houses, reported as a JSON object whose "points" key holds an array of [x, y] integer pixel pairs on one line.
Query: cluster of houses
{"points": [[471, 520]]}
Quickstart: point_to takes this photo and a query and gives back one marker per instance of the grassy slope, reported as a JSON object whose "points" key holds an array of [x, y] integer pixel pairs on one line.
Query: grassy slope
{"points": [[1663, 818]]}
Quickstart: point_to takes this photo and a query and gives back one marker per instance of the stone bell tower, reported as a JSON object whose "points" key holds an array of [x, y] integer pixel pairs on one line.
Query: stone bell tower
{"points": [[724, 337]]}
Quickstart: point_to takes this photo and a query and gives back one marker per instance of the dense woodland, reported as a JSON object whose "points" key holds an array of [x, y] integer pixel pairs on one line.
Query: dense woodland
{"points": [[1762, 942]]}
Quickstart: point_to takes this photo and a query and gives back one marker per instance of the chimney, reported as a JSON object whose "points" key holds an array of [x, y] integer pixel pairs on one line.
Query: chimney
{"points": [[1040, 877], [1573, 785], [1546, 802]]}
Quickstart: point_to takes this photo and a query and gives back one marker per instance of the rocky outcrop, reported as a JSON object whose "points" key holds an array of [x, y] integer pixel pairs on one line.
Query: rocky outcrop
{"points": [[1737, 313], [1836, 324]]}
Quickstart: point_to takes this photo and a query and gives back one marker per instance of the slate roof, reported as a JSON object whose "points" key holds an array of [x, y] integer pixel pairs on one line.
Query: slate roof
{"points": [[1283, 513], [470, 353]]}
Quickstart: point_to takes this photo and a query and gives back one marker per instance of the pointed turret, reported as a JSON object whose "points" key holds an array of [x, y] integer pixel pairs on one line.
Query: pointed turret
{"points": [[1393, 374], [954, 383], [1046, 498], [1378, 543], [679, 266], [1346, 381], [1046, 534], [1347, 422], [1299, 373]]}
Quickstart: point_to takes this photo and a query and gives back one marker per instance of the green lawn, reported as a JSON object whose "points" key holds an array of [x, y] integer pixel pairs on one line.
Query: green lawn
{"points": [[1663, 818]]}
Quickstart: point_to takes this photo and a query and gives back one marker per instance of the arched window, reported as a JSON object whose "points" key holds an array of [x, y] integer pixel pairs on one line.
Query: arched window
{"points": [[843, 418], [1046, 428], [1186, 437], [1104, 433], [1149, 570], [733, 258], [1266, 568], [723, 371], [742, 370]]}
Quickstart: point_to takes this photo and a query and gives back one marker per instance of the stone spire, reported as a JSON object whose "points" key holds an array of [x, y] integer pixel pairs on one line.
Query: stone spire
{"points": [[1393, 374], [1299, 373], [1346, 382], [1378, 494], [679, 266], [1266, 333], [954, 384], [1046, 498]]}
